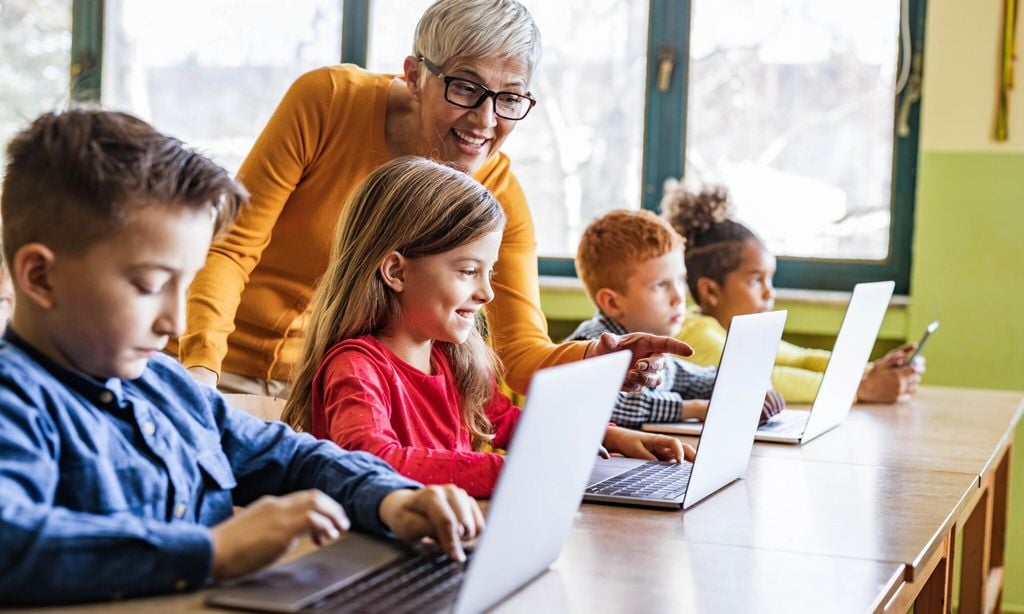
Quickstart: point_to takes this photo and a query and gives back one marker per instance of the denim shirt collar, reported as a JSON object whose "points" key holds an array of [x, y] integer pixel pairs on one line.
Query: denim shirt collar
{"points": [[99, 392]]}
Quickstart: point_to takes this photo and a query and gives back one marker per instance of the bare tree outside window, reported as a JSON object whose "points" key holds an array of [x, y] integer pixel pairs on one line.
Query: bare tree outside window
{"points": [[791, 107], [35, 44], [211, 72]]}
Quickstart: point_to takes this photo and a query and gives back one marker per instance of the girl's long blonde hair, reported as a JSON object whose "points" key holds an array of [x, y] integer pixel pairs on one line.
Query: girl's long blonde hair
{"points": [[417, 208]]}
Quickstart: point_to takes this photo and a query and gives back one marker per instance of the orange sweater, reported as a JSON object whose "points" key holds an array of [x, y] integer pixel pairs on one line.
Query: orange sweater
{"points": [[247, 308]]}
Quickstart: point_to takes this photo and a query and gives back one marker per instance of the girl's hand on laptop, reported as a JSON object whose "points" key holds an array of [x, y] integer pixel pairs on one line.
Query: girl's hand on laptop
{"points": [[647, 355], [263, 531], [647, 446], [773, 405], [444, 513]]}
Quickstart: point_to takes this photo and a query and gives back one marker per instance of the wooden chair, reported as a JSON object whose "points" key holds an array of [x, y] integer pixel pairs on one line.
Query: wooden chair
{"points": [[262, 407]]}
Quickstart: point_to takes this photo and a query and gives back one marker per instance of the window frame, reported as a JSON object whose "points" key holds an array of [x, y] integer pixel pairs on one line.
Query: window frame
{"points": [[664, 132], [665, 147]]}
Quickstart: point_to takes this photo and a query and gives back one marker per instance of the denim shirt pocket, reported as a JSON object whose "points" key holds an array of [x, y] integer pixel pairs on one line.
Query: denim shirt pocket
{"points": [[100, 486], [218, 480]]}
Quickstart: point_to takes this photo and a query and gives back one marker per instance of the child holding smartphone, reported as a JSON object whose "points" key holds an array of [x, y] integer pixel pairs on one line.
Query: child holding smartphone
{"points": [[730, 273]]}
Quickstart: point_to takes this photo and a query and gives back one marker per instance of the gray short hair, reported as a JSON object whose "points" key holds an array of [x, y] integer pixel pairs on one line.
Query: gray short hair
{"points": [[477, 29]]}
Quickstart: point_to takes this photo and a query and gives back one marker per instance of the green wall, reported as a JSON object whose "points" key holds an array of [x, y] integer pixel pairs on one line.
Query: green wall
{"points": [[968, 271]]}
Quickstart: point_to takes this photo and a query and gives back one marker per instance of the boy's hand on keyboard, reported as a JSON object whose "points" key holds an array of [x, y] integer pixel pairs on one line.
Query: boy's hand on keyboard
{"points": [[695, 409], [444, 513], [647, 350], [773, 405], [648, 446], [263, 531]]}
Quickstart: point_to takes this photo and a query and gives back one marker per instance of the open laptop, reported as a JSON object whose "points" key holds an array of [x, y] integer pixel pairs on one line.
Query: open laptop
{"points": [[838, 389], [744, 376], [528, 520]]}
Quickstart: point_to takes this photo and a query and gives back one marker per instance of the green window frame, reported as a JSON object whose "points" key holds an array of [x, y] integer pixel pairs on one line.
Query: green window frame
{"points": [[664, 157], [664, 132]]}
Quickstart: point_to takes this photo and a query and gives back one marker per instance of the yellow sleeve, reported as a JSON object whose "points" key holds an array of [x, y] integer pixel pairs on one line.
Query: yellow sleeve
{"points": [[796, 385], [517, 326], [796, 375], [706, 336], [802, 358], [270, 172]]}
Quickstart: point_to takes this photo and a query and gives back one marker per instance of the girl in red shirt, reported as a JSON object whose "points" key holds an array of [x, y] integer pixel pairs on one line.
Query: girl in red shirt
{"points": [[394, 361]]}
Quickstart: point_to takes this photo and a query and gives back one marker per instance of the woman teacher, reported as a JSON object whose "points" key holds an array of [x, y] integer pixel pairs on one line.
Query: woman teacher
{"points": [[461, 94]]}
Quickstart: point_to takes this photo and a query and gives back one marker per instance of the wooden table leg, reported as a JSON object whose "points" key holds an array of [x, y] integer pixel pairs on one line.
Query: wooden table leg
{"points": [[997, 535], [936, 594], [974, 569]]}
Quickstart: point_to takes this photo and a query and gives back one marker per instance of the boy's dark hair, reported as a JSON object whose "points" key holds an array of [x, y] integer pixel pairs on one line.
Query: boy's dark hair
{"points": [[74, 178], [714, 243]]}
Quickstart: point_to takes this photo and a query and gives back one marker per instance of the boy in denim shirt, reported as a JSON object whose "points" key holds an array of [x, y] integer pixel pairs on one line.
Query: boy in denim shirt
{"points": [[118, 471]]}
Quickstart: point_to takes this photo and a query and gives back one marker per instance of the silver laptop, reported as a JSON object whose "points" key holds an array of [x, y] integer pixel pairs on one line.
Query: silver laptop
{"points": [[838, 389], [744, 376], [528, 519]]}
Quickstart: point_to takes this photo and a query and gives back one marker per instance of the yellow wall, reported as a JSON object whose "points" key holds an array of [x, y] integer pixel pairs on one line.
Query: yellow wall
{"points": [[962, 49]]}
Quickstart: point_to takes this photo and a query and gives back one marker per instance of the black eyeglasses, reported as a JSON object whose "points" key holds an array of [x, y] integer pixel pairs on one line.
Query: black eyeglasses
{"points": [[470, 95]]}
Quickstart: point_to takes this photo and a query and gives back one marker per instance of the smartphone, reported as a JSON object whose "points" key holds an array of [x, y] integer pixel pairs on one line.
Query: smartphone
{"points": [[924, 339]]}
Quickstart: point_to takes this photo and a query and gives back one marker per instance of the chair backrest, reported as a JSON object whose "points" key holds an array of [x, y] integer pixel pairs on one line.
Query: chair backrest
{"points": [[262, 407]]}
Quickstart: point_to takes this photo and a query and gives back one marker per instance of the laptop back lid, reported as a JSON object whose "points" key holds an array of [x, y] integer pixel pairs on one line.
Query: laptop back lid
{"points": [[744, 376], [550, 457], [856, 337]]}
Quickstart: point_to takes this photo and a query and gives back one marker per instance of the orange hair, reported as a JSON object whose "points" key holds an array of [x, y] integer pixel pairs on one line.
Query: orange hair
{"points": [[615, 243]]}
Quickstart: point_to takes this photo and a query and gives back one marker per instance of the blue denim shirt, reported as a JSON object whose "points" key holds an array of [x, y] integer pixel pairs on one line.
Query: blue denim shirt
{"points": [[107, 488]]}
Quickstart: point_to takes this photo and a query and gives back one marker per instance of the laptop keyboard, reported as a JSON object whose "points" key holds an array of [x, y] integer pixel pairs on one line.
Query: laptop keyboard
{"points": [[652, 480], [785, 424], [423, 583]]}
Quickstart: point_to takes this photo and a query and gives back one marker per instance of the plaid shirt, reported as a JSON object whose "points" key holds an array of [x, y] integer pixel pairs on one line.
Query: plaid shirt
{"points": [[681, 381]]}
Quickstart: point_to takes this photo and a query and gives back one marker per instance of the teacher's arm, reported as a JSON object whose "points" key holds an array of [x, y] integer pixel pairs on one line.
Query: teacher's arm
{"points": [[273, 168]]}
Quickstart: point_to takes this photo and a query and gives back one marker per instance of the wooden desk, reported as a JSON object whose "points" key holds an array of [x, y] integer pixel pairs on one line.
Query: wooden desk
{"points": [[613, 570], [826, 509], [943, 429], [864, 518]]}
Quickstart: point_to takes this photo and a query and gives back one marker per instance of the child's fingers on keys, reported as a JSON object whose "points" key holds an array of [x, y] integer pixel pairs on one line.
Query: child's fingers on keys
{"points": [[672, 449], [442, 519], [330, 509], [646, 450], [478, 514], [321, 528], [689, 452], [463, 505]]}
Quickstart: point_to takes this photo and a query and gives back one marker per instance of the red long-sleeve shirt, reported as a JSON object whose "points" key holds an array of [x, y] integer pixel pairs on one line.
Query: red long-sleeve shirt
{"points": [[367, 398]]}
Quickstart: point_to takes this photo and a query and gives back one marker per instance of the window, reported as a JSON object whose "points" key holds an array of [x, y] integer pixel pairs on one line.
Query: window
{"points": [[36, 47], [213, 82], [789, 103], [579, 151], [792, 109]]}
